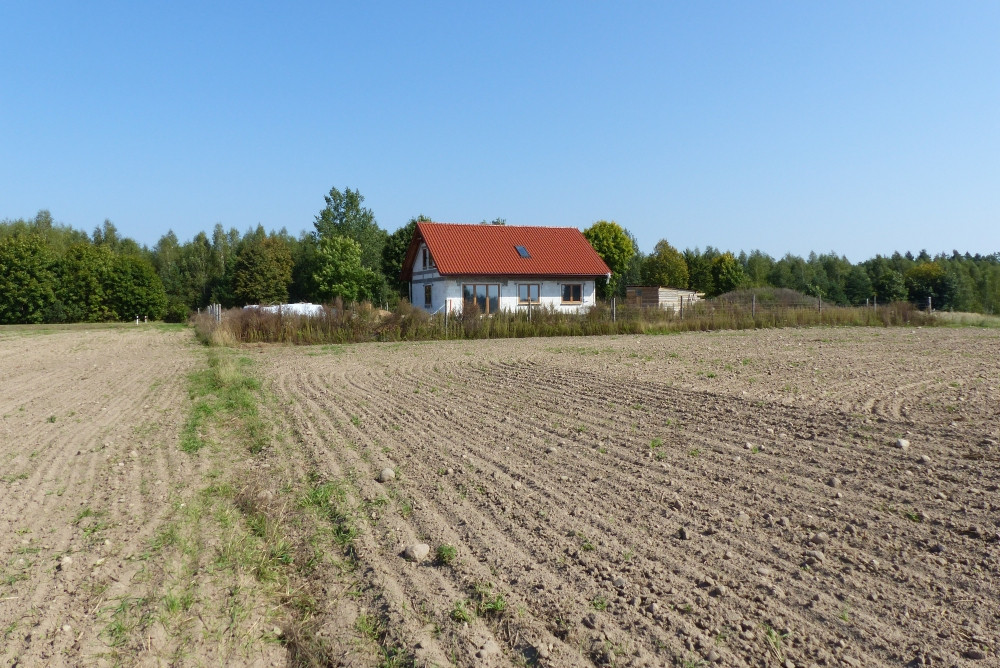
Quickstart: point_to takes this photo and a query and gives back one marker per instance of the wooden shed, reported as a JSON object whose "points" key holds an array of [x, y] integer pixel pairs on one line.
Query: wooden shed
{"points": [[654, 296]]}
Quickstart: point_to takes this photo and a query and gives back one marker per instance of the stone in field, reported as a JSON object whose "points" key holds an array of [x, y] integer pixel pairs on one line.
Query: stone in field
{"points": [[417, 552], [902, 444], [386, 475]]}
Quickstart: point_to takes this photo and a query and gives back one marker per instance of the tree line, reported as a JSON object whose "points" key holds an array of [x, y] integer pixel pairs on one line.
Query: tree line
{"points": [[957, 282], [50, 272]]}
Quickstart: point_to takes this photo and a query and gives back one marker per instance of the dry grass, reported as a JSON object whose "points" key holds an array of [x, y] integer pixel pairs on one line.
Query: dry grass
{"points": [[361, 323]]}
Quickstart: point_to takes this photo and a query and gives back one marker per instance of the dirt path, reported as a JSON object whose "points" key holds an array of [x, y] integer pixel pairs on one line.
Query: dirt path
{"points": [[732, 498]]}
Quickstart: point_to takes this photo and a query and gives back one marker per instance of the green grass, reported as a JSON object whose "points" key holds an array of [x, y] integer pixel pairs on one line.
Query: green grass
{"points": [[446, 554], [226, 390], [460, 613]]}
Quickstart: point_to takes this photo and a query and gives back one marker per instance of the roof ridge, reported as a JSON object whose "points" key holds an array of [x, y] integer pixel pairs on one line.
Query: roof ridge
{"points": [[540, 227]]}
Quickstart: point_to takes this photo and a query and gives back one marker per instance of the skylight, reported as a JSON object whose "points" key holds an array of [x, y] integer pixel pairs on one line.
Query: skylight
{"points": [[523, 252]]}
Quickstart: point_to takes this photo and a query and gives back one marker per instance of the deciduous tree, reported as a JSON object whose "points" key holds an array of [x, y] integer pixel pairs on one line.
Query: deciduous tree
{"points": [[262, 271], [612, 243], [339, 271], [665, 266]]}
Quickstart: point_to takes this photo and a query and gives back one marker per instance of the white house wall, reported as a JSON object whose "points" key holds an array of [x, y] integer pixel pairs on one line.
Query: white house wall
{"points": [[446, 292]]}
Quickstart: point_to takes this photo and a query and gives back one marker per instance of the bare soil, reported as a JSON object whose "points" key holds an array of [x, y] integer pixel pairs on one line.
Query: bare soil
{"points": [[732, 498], [101, 559]]}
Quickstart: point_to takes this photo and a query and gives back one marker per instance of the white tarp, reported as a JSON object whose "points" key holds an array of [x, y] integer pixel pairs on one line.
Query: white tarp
{"points": [[301, 308]]}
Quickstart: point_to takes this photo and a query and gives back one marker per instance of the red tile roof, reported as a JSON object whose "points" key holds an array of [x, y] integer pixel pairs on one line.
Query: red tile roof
{"points": [[491, 250]]}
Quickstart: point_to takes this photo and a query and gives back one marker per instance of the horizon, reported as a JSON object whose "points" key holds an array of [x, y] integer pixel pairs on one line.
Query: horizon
{"points": [[854, 129]]}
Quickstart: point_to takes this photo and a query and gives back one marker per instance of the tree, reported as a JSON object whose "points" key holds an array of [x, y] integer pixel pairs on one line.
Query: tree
{"points": [[887, 282], [339, 272], [135, 289], [394, 253], [26, 279], [758, 266], [84, 275], [858, 285], [665, 266], [727, 273], [344, 216], [262, 271], [700, 269], [616, 249]]}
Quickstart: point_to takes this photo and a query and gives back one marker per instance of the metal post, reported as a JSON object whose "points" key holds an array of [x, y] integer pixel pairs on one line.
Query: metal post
{"points": [[929, 303], [753, 306], [614, 313]]}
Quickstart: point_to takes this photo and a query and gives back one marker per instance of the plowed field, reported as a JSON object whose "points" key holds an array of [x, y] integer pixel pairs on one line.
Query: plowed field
{"points": [[735, 498]]}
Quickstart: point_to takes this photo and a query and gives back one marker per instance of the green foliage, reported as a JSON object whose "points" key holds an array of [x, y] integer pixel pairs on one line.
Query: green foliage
{"points": [[700, 269], [344, 216], [927, 280], [394, 253], [727, 274], [84, 273], [665, 266], [135, 289], [339, 273], [26, 279], [887, 283], [858, 285], [615, 247], [262, 272]]}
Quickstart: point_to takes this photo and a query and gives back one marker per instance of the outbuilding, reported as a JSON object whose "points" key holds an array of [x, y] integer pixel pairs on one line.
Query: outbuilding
{"points": [[655, 296]]}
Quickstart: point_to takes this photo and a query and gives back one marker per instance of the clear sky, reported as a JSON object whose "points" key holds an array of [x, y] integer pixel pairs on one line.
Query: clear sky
{"points": [[857, 127]]}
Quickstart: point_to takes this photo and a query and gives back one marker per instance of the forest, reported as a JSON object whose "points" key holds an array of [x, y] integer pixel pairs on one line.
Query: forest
{"points": [[53, 273]]}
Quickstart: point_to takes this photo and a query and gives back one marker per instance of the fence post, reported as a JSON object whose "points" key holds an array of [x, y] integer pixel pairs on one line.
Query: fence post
{"points": [[928, 303], [753, 306], [614, 313]]}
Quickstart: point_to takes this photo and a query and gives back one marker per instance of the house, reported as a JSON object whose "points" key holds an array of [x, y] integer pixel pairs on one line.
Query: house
{"points": [[655, 296], [501, 268]]}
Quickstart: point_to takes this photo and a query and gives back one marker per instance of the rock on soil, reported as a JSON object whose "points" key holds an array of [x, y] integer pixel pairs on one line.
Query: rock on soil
{"points": [[417, 552]]}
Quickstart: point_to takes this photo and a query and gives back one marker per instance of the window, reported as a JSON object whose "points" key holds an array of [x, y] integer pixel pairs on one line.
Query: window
{"points": [[572, 293], [523, 252], [424, 254], [527, 293], [486, 297], [427, 296]]}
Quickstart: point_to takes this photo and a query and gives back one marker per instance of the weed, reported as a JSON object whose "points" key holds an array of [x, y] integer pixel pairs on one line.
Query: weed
{"points": [[489, 604], [51, 418], [694, 452], [460, 613], [599, 603], [446, 554], [775, 642]]}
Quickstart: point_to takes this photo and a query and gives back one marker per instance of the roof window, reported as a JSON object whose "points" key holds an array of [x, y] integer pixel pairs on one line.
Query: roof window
{"points": [[523, 252]]}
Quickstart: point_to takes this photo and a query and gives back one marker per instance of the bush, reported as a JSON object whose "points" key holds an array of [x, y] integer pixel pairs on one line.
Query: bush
{"points": [[176, 311]]}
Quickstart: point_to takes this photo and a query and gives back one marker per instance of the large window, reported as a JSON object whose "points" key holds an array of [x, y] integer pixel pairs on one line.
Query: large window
{"points": [[427, 296], [527, 293], [572, 293], [485, 296]]}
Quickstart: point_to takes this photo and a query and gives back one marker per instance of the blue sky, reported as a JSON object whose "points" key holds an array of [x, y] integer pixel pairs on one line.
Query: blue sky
{"points": [[856, 127]]}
